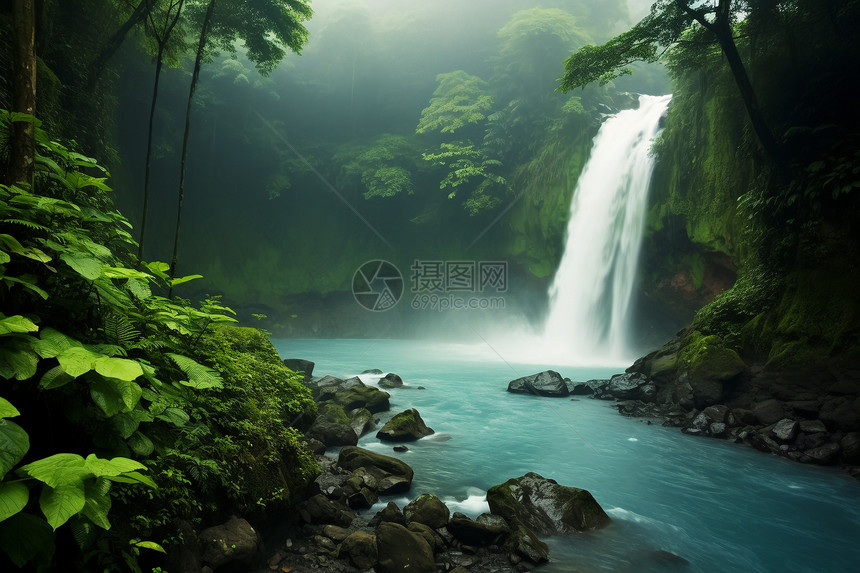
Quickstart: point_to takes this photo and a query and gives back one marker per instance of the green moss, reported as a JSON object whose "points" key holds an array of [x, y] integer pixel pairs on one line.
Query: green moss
{"points": [[707, 358]]}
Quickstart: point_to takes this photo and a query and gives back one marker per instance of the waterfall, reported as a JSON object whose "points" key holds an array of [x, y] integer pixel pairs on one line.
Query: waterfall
{"points": [[590, 296]]}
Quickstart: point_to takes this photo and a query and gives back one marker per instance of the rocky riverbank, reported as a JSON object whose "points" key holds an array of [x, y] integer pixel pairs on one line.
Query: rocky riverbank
{"points": [[722, 402]]}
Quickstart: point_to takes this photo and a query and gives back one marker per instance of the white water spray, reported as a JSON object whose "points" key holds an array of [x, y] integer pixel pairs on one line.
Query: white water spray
{"points": [[590, 296]]}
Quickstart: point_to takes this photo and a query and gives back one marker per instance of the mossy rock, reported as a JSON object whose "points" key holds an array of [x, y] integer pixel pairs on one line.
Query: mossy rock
{"points": [[333, 427], [367, 397], [546, 507], [404, 427], [427, 509], [381, 466], [523, 543]]}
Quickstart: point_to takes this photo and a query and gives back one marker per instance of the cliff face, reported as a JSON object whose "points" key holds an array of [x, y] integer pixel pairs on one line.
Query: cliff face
{"points": [[773, 251]]}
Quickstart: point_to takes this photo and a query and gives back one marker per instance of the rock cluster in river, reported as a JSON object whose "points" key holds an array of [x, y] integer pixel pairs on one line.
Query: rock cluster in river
{"points": [[424, 536]]}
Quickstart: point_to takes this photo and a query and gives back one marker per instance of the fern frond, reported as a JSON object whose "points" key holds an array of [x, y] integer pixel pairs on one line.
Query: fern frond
{"points": [[119, 330], [26, 223], [199, 376]]}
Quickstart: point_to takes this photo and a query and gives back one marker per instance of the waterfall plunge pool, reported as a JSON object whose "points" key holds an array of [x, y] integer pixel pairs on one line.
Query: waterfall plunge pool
{"points": [[721, 506]]}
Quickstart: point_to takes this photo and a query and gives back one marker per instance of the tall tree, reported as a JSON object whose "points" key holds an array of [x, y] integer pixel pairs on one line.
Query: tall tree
{"points": [[22, 166], [267, 29], [661, 29], [137, 16], [162, 30]]}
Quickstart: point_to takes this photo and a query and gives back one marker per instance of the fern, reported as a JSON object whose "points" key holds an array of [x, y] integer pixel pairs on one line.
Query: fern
{"points": [[28, 224], [119, 330], [199, 377]]}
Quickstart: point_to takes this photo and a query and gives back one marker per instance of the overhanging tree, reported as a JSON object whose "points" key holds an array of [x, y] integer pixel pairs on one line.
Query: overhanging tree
{"points": [[659, 31]]}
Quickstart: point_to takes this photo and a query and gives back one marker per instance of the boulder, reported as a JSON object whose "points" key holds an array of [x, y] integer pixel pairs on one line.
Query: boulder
{"points": [[394, 484], [382, 467], [522, 543], [580, 389], [333, 427], [812, 426], [627, 386], [403, 427], [362, 499], [547, 383], [324, 388], [784, 431], [488, 529], [390, 513], [320, 510], [305, 367], [361, 420], [427, 509], [229, 542], [429, 534], [717, 413], [546, 507], [390, 380], [402, 550], [361, 396], [769, 412], [842, 413], [361, 549], [372, 371]]}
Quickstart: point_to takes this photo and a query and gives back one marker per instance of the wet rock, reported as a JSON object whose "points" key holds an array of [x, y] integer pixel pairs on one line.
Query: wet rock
{"points": [[230, 542], [487, 530], [400, 449], [361, 420], [335, 533], [841, 413], [373, 371], [717, 430], [627, 386], [324, 388], [380, 466], [427, 509], [717, 413], [580, 389], [547, 383], [769, 412], [545, 506], [851, 448], [435, 541], [361, 396], [784, 431], [361, 548], [805, 408], [394, 484], [812, 426], [522, 543], [825, 454], [390, 380], [390, 513], [744, 417], [403, 427], [362, 499], [333, 427], [305, 367], [402, 550], [319, 509], [316, 446], [763, 442]]}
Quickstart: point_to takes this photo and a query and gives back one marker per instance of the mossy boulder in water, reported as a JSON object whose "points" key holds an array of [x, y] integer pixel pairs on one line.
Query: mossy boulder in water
{"points": [[546, 507], [361, 396], [427, 509], [402, 550], [709, 367], [547, 383], [404, 427], [394, 475], [333, 427]]}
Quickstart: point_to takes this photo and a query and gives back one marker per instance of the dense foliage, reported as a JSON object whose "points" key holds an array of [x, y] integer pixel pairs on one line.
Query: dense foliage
{"points": [[111, 387]]}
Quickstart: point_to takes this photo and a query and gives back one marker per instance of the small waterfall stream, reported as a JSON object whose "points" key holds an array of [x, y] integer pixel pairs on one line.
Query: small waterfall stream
{"points": [[590, 295]]}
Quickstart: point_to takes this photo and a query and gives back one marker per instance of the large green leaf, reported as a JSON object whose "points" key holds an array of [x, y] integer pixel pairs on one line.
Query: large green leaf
{"points": [[58, 470], [141, 444], [106, 396], [28, 282], [112, 467], [16, 323], [7, 410], [62, 502], [133, 477], [120, 368], [77, 360], [13, 498], [52, 343], [54, 378], [14, 443], [26, 538], [175, 416], [19, 363], [87, 266], [97, 504]]}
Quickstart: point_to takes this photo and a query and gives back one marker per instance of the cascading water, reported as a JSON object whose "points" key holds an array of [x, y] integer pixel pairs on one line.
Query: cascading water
{"points": [[590, 295]]}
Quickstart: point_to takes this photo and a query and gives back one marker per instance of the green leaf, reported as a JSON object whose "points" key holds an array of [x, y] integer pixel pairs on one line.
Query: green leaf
{"points": [[106, 396], [97, 504], [7, 410], [28, 282], [199, 376], [181, 280], [62, 502], [27, 539], [52, 343], [112, 467], [58, 470], [124, 273], [159, 269], [124, 424], [56, 377], [14, 443], [77, 360], [150, 545], [139, 289], [16, 323], [20, 363], [174, 416], [13, 498], [88, 267], [120, 368], [141, 444], [134, 477]]}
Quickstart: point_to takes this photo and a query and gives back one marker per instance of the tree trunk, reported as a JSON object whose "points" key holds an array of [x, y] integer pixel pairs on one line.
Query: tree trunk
{"points": [[722, 29], [158, 64], [201, 47], [22, 165], [115, 41]]}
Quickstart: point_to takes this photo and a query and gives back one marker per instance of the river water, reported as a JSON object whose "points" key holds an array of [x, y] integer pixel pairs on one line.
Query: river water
{"points": [[721, 506]]}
